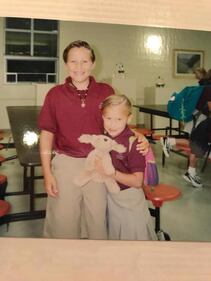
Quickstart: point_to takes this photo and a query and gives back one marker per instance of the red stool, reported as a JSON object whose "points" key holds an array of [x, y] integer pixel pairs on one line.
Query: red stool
{"points": [[144, 131], [3, 186], [183, 150], [157, 136], [157, 195], [4, 210], [2, 159]]}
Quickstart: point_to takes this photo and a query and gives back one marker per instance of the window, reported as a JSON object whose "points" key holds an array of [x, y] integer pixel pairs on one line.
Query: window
{"points": [[31, 50]]}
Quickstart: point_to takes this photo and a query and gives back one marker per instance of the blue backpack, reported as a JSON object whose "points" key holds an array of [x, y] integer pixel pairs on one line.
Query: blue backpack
{"points": [[182, 105]]}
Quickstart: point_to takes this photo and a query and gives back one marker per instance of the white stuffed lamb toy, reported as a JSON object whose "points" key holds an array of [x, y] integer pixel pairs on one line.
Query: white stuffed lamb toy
{"points": [[102, 146]]}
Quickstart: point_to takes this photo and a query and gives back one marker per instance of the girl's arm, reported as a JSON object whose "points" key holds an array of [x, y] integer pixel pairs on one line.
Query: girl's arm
{"points": [[134, 179]]}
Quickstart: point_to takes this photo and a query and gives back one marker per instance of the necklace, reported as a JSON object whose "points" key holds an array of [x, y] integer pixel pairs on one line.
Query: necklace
{"points": [[82, 95]]}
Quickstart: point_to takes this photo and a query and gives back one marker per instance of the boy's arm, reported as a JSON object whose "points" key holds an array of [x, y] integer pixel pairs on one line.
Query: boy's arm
{"points": [[143, 144], [46, 144]]}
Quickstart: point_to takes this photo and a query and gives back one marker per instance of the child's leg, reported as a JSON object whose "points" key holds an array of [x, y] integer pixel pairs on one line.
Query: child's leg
{"points": [[114, 220], [63, 212], [191, 175], [95, 206], [193, 162]]}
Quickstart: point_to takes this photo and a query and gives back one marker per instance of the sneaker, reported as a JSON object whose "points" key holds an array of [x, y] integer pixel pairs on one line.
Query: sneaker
{"points": [[194, 180], [165, 146]]}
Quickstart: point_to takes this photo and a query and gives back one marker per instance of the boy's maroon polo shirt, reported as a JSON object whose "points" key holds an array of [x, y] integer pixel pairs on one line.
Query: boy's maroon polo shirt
{"points": [[63, 115], [131, 161]]}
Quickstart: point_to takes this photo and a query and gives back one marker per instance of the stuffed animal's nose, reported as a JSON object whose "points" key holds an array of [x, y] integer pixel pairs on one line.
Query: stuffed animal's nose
{"points": [[105, 139]]}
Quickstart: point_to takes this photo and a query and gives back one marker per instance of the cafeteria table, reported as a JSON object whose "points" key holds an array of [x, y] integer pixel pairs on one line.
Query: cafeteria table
{"points": [[25, 133]]}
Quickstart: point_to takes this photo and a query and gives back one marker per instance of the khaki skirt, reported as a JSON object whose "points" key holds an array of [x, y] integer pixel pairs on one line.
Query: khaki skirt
{"points": [[129, 217]]}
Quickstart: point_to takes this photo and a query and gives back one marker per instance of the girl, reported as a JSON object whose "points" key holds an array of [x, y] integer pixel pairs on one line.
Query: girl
{"points": [[128, 214]]}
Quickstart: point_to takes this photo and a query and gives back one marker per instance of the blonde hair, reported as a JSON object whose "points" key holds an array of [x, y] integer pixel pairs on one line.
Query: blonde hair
{"points": [[115, 100]]}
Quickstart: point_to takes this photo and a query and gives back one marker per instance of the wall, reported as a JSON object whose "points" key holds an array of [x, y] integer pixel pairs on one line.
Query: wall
{"points": [[115, 43], [121, 43]]}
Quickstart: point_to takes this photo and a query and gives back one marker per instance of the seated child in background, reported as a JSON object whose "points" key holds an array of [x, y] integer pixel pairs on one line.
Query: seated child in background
{"points": [[128, 213], [199, 137]]}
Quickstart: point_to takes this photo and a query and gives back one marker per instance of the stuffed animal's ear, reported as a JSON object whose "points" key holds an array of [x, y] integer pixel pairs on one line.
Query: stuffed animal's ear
{"points": [[85, 138], [118, 147]]}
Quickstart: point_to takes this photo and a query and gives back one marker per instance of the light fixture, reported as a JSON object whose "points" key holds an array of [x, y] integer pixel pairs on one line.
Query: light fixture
{"points": [[154, 44], [30, 138]]}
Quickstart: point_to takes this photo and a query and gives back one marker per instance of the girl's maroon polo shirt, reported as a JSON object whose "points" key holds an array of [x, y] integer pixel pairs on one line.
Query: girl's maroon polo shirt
{"points": [[63, 115], [132, 160]]}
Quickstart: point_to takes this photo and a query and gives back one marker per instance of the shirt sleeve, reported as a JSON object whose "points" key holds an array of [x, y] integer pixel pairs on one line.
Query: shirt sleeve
{"points": [[47, 116], [136, 161], [107, 90]]}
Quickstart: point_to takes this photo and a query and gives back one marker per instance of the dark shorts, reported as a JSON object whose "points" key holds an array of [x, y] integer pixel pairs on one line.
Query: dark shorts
{"points": [[199, 149], [200, 138]]}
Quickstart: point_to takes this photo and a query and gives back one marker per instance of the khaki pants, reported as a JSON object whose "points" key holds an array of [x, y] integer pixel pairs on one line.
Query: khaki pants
{"points": [[64, 213]]}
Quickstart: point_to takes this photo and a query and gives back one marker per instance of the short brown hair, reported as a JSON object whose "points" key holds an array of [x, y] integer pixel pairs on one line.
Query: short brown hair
{"points": [[78, 44], [114, 100], [200, 70], [208, 76]]}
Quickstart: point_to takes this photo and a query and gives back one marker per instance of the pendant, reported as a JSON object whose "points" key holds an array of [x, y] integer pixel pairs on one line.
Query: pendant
{"points": [[83, 104]]}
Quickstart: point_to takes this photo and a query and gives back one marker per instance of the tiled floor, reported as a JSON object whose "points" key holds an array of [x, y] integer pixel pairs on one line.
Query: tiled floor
{"points": [[185, 219]]}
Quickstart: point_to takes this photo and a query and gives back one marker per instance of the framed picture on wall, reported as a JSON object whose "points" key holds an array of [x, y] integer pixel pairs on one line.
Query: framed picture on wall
{"points": [[186, 61]]}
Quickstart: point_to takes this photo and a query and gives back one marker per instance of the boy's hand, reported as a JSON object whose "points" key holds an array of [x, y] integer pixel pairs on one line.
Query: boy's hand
{"points": [[51, 186], [143, 144]]}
